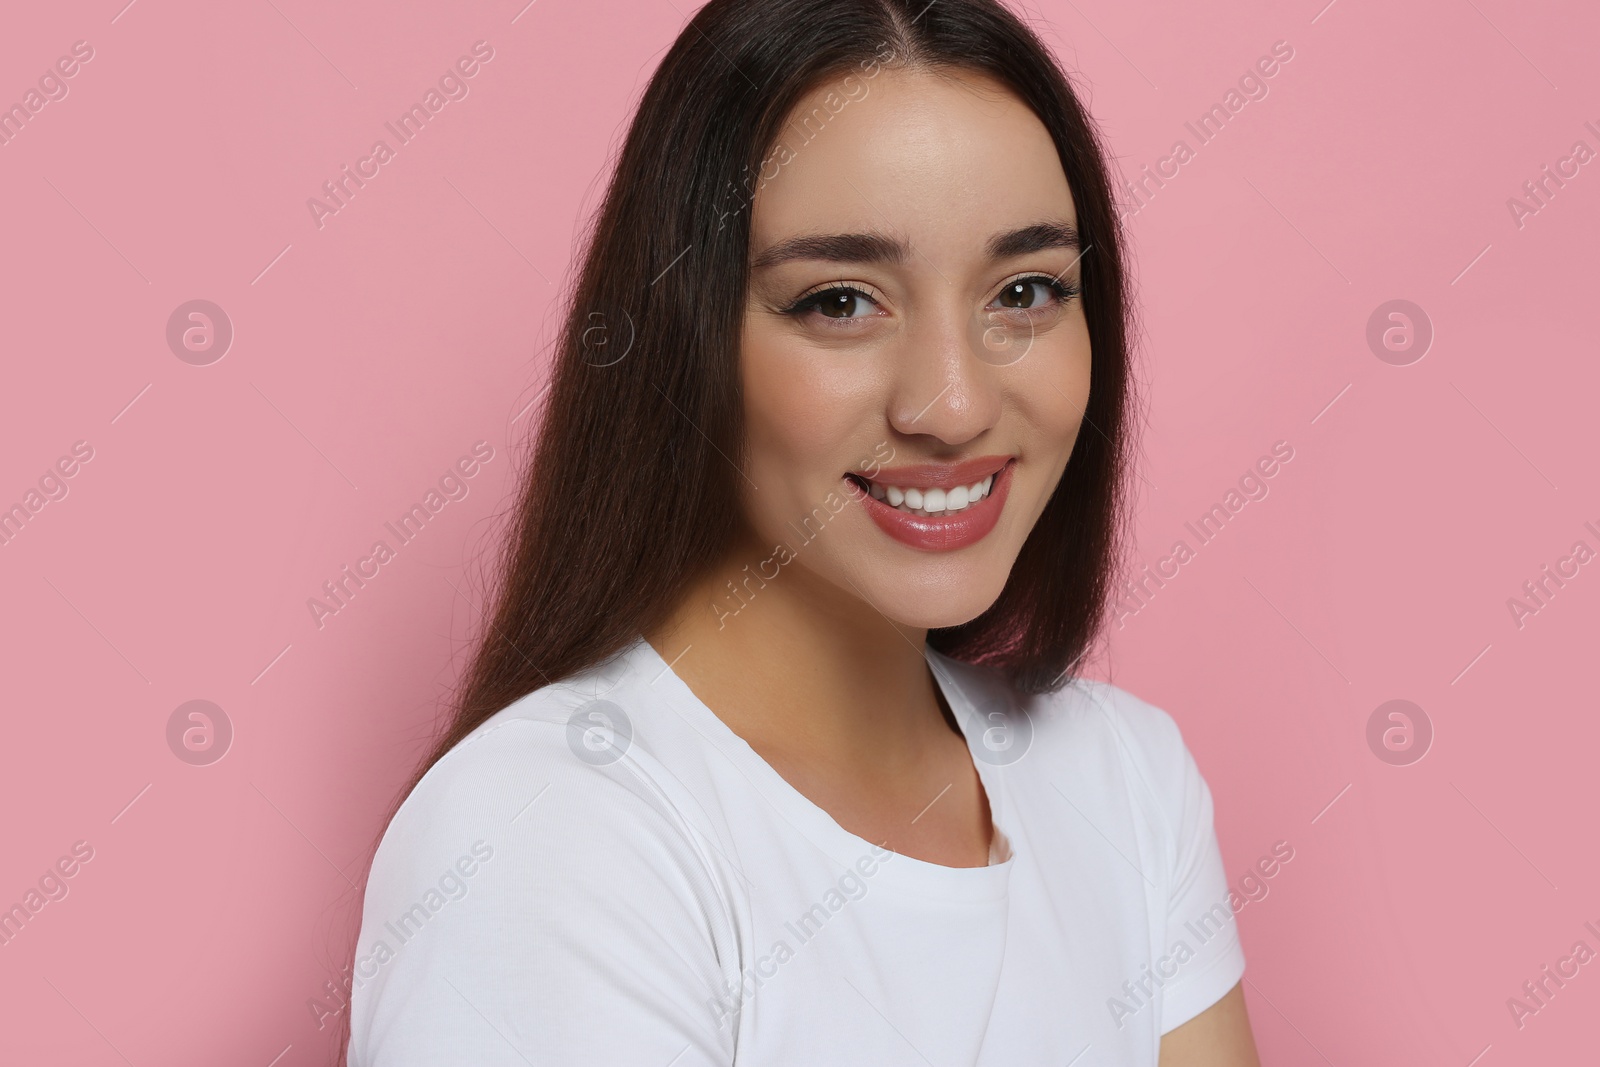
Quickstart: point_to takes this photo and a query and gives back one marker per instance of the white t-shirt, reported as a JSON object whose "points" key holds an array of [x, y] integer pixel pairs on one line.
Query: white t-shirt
{"points": [[604, 873]]}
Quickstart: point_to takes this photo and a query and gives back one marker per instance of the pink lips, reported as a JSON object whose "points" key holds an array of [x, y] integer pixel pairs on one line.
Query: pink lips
{"points": [[952, 530]]}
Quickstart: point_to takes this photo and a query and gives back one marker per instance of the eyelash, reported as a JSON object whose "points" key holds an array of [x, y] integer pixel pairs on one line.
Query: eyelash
{"points": [[1064, 293]]}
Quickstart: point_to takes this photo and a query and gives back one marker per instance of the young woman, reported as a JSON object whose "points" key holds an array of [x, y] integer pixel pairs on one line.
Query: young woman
{"points": [[773, 750]]}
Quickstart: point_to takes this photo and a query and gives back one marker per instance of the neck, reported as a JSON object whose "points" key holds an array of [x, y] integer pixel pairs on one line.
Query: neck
{"points": [[793, 662]]}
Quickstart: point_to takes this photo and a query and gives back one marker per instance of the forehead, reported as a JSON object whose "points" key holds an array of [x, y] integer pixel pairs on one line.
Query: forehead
{"points": [[943, 159]]}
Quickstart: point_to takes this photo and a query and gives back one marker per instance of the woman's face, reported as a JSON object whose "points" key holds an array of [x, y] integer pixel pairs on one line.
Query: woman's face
{"points": [[915, 357]]}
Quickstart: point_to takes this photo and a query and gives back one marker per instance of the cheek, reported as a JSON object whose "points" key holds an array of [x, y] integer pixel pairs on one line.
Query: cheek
{"points": [[1053, 390], [803, 407]]}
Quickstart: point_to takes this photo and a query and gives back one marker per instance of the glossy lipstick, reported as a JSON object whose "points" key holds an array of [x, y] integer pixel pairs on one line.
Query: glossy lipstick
{"points": [[952, 529]]}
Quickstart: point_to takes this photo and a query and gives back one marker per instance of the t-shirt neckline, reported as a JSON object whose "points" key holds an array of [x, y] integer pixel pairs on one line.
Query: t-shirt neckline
{"points": [[901, 872]]}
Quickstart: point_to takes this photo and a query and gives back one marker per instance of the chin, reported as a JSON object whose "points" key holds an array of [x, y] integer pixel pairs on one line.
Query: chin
{"points": [[945, 596]]}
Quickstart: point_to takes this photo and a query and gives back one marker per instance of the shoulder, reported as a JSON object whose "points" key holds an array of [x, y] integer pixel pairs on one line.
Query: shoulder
{"points": [[1086, 724], [1081, 708], [539, 874], [1149, 744], [493, 767], [1151, 736], [1096, 721], [567, 814], [556, 767]]}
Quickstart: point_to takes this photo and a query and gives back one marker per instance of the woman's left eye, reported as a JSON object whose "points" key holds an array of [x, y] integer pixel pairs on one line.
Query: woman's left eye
{"points": [[1025, 294]]}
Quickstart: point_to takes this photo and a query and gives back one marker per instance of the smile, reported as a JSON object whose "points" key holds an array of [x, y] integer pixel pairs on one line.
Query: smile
{"points": [[931, 500], [937, 507]]}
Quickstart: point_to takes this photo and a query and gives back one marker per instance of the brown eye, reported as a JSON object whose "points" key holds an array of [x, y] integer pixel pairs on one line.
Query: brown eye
{"points": [[1021, 293], [838, 303], [1024, 294]]}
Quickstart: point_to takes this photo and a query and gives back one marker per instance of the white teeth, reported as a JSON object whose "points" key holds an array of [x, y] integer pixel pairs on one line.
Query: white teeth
{"points": [[933, 501]]}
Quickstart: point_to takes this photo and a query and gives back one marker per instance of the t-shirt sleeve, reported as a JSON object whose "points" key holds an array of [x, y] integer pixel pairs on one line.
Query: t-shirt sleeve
{"points": [[527, 906], [1202, 936], [1200, 913]]}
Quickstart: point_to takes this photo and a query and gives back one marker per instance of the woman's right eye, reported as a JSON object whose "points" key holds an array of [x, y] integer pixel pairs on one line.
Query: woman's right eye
{"points": [[838, 302]]}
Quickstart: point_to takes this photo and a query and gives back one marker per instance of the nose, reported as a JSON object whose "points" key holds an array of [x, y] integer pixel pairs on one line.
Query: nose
{"points": [[943, 387]]}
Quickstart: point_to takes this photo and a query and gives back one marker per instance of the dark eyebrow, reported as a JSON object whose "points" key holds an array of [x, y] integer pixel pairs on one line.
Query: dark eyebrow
{"points": [[836, 248], [1035, 238], [875, 247]]}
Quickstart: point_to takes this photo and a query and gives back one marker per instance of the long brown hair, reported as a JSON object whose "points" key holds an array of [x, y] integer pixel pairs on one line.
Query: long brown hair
{"points": [[629, 490]]}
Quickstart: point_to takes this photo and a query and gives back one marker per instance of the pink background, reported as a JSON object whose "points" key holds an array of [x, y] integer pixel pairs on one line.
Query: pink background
{"points": [[373, 352]]}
